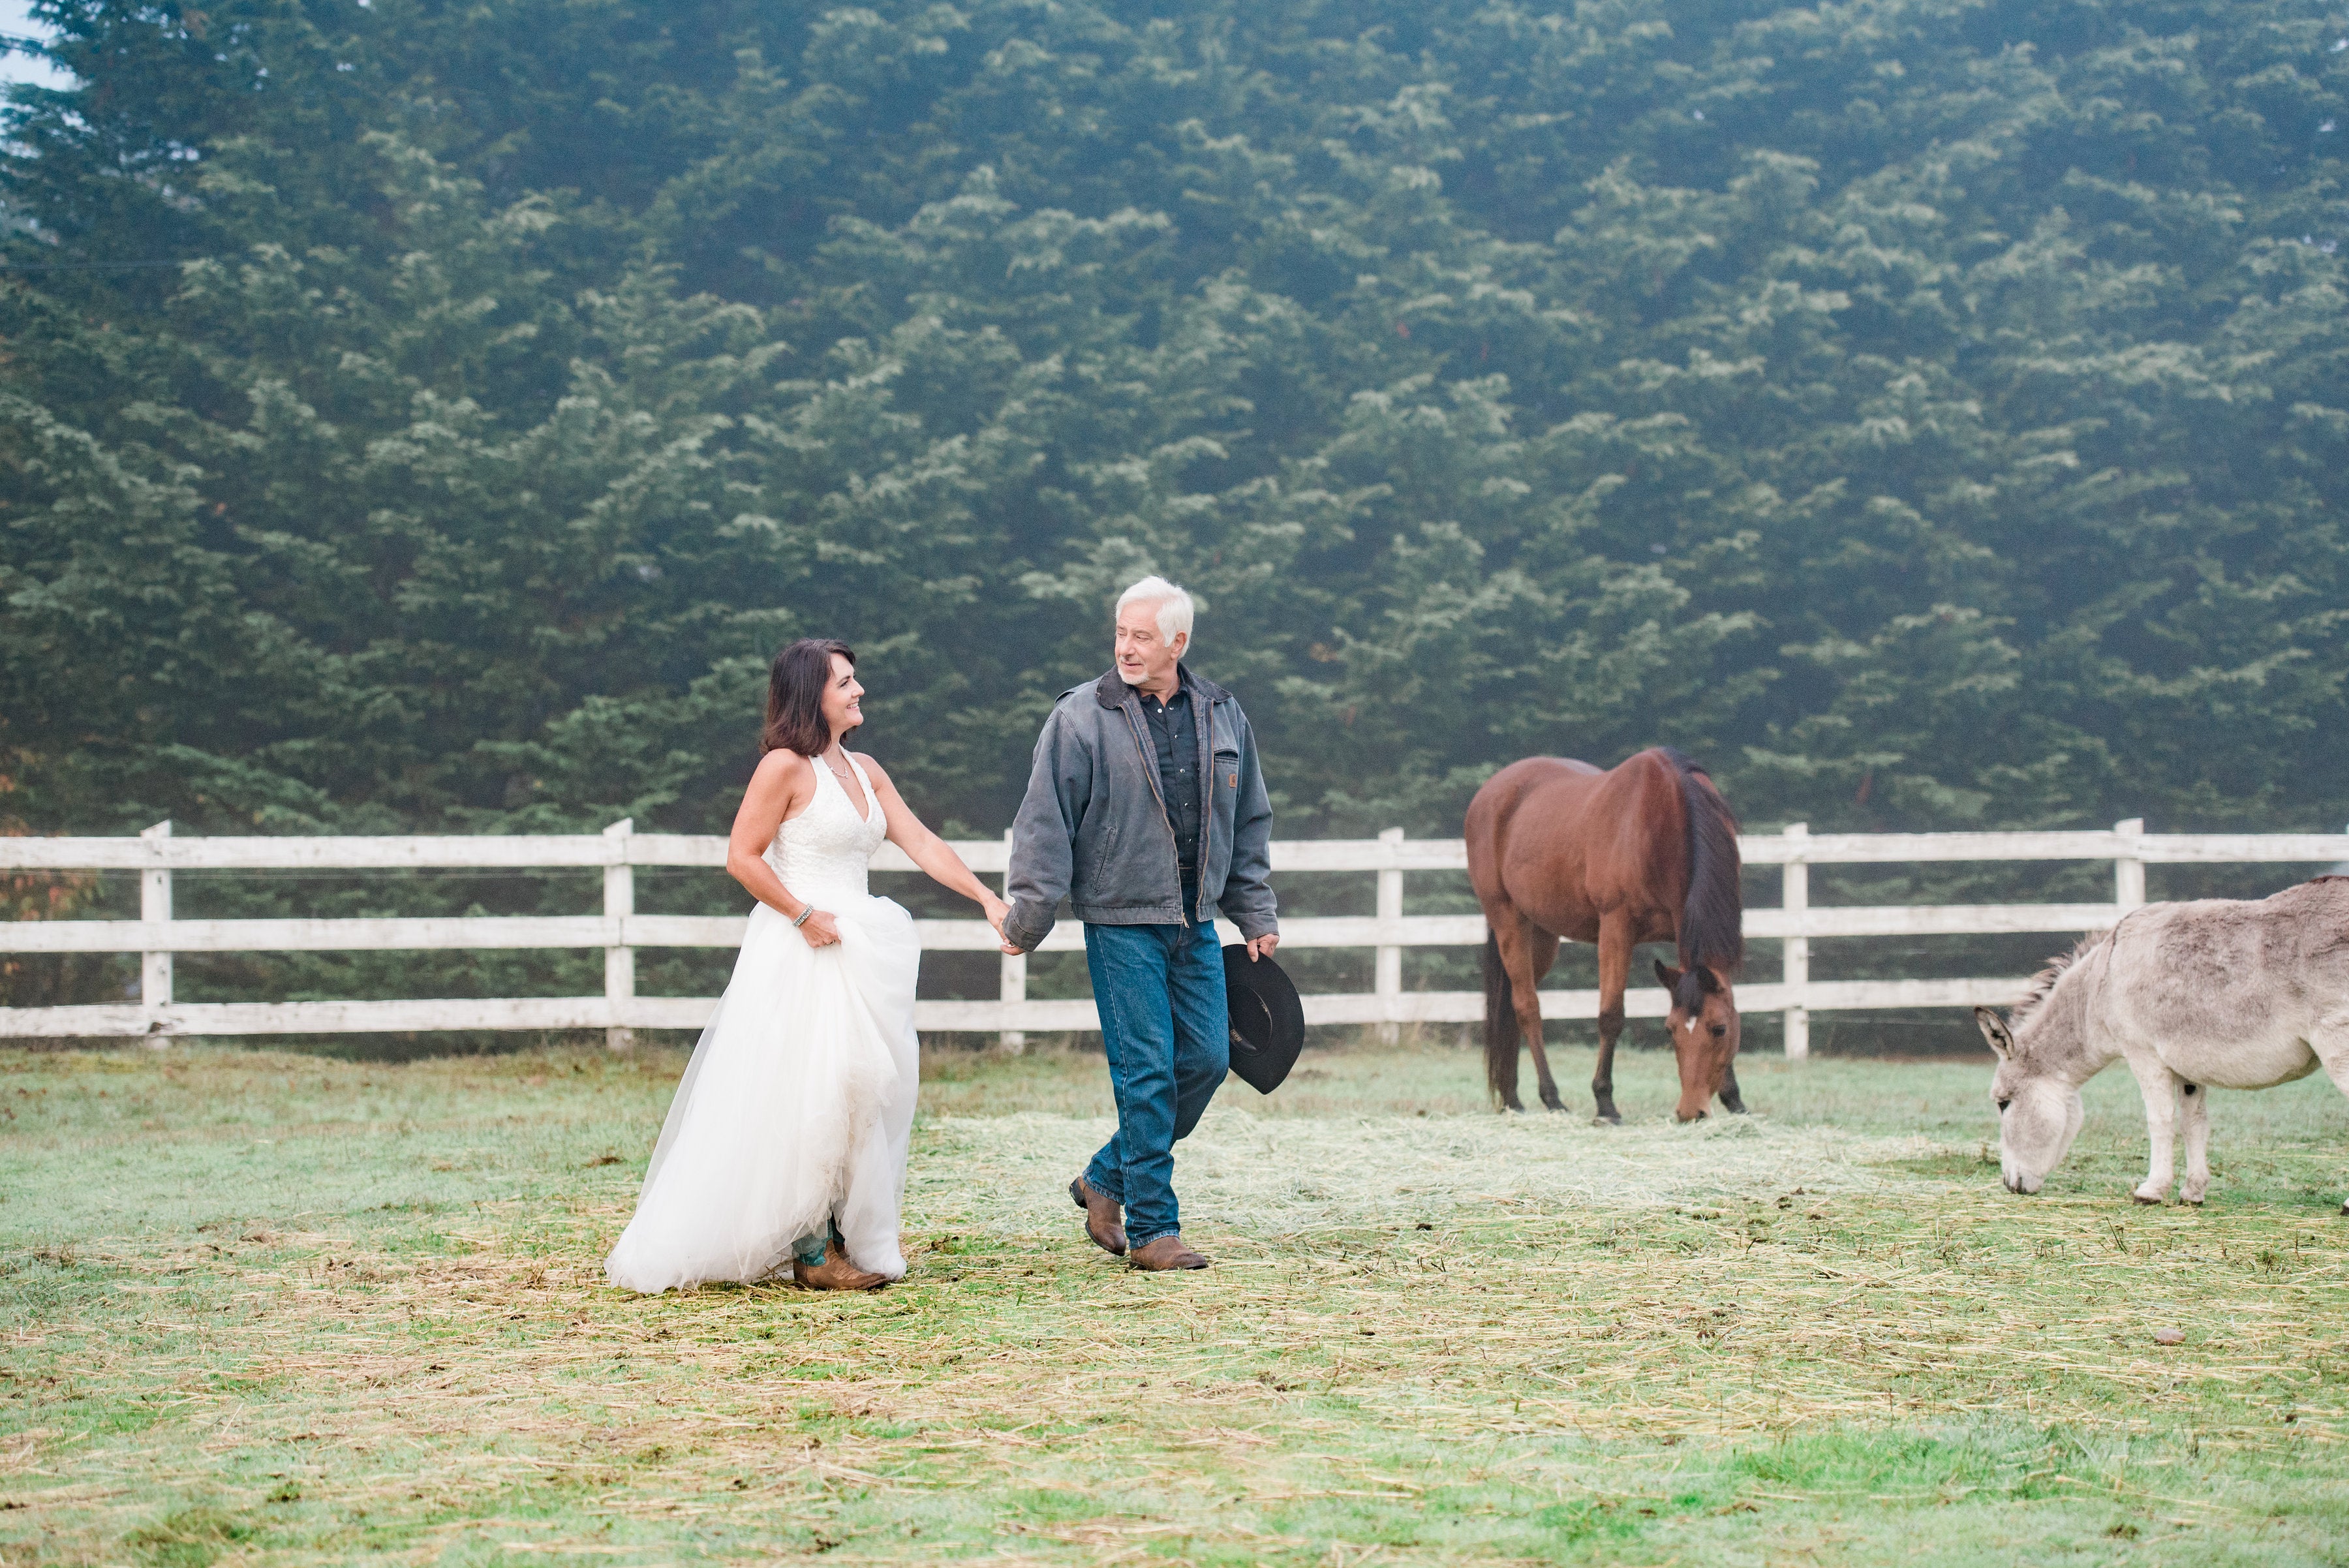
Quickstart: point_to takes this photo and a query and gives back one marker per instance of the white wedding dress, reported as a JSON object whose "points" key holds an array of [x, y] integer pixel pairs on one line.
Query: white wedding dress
{"points": [[798, 1104]]}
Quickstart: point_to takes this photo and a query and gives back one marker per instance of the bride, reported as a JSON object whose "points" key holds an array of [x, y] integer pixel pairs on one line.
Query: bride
{"points": [[787, 1137]]}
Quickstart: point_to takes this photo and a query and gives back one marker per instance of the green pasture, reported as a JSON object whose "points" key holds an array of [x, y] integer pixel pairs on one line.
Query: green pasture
{"points": [[270, 1307]]}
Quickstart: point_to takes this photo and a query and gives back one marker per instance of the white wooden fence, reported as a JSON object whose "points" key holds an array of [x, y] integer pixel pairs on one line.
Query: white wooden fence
{"points": [[619, 930]]}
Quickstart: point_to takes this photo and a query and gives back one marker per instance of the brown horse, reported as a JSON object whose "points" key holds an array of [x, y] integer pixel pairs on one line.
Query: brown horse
{"points": [[1646, 851]]}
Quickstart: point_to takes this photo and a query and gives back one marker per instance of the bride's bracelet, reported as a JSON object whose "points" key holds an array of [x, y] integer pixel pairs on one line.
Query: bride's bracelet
{"points": [[805, 910]]}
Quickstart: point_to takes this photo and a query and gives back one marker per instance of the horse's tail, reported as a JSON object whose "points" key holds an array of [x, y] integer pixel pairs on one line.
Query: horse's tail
{"points": [[1712, 913], [1500, 1024]]}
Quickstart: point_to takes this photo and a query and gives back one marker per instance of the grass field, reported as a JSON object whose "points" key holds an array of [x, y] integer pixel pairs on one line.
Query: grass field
{"points": [[265, 1307]]}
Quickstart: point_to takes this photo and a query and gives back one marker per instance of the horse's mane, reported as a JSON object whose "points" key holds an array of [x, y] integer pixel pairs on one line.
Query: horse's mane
{"points": [[2042, 985], [1713, 916]]}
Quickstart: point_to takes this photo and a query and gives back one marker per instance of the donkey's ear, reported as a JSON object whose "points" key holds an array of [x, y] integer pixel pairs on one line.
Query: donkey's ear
{"points": [[1993, 1030], [1667, 976]]}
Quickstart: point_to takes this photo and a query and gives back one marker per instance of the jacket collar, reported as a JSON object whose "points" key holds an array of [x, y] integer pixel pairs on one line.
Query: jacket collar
{"points": [[1111, 691]]}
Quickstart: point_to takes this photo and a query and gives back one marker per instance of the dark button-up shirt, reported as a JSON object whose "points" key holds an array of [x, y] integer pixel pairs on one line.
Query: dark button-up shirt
{"points": [[1173, 725]]}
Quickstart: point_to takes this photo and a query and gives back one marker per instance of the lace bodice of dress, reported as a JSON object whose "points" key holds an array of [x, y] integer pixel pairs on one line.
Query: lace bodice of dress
{"points": [[827, 848]]}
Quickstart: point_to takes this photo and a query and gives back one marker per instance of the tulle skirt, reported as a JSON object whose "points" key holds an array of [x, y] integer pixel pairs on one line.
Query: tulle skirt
{"points": [[793, 1113]]}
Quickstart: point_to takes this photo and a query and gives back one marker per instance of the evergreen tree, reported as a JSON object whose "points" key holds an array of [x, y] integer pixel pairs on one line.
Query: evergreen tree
{"points": [[429, 416]]}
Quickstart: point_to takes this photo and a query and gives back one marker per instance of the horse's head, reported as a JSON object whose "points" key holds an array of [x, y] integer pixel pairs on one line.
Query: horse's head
{"points": [[2039, 1111], [1704, 1021]]}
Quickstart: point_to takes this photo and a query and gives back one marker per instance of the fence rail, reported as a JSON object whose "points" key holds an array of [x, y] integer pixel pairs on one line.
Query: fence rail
{"points": [[620, 932]]}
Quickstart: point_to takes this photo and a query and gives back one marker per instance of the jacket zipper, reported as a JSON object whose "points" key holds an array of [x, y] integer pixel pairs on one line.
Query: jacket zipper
{"points": [[1206, 809]]}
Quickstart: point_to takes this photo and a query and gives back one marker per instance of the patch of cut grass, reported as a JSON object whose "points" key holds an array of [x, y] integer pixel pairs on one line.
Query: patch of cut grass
{"points": [[267, 1307], [191, 1538]]}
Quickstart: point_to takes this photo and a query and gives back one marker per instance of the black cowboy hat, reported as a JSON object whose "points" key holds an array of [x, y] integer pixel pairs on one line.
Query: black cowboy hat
{"points": [[1268, 1021]]}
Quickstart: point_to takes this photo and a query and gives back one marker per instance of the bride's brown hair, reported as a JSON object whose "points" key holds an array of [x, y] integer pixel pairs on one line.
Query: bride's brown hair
{"points": [[795, 684]]}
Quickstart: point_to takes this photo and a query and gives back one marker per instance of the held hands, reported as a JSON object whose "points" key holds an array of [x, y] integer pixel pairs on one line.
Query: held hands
{"points": [[994, 909], [1261, 947], [820, 931]]}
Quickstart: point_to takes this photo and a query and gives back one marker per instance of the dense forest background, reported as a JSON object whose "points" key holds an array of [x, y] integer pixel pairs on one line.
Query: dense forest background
{"points": [[424, 415]]}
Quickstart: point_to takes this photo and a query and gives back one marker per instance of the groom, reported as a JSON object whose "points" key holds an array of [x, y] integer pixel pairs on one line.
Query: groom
{"points": [[1146, 809]]}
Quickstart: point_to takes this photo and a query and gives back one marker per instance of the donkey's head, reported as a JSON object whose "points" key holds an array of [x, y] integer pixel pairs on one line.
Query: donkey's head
{"points": [[2039, 1109], [1704, 1024], [2041, 1062]]}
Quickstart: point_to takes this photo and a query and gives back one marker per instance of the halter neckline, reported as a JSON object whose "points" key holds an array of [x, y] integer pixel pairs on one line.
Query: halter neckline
{"points": [[872, 801]]}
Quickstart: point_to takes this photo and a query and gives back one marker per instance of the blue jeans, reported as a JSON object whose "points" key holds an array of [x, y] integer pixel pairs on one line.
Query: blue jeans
{"points": [[1168, 1035]]}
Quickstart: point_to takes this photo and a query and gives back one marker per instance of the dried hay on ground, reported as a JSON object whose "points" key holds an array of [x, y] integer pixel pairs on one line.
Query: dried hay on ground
{"points": [[1285, 1176], [1443, 1338]]}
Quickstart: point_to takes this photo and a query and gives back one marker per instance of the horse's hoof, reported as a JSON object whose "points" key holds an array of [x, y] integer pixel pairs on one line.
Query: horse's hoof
{"points": [[2147, 1203], [1609, 1119], [1552, 1103], [1734, 1108]]}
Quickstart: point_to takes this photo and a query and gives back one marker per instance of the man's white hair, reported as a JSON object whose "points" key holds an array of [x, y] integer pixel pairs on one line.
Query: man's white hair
{"points": [[1174, 606]]}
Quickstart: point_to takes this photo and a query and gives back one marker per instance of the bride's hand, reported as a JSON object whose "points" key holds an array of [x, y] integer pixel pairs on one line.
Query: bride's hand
{"points": [[994, 909], [997, 911], [820, 932]]}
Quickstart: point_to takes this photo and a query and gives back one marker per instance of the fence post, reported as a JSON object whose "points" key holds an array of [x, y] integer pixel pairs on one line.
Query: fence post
{"points": [[2129, 871], [155, 969], [620, 961], [1389, 972], [1798, 895], [1014, 984]]}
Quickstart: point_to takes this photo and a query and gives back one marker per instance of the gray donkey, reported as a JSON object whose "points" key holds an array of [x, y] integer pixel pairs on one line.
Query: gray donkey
{"points": [[2220, 993]]}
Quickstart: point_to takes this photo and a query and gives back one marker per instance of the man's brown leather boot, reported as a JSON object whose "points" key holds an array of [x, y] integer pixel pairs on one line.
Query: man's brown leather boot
{"points": [[1167, 1252], [1104, 1217], [836, 1273]]}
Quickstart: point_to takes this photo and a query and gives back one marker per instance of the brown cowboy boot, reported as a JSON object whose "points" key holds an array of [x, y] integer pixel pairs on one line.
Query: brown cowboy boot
{"points": [[836, 1273], [1167, 1252], [1104, 1217]]}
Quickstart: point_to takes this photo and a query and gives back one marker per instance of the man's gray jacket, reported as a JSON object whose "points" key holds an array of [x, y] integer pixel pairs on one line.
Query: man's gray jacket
{"points": [[1094, 826]]}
